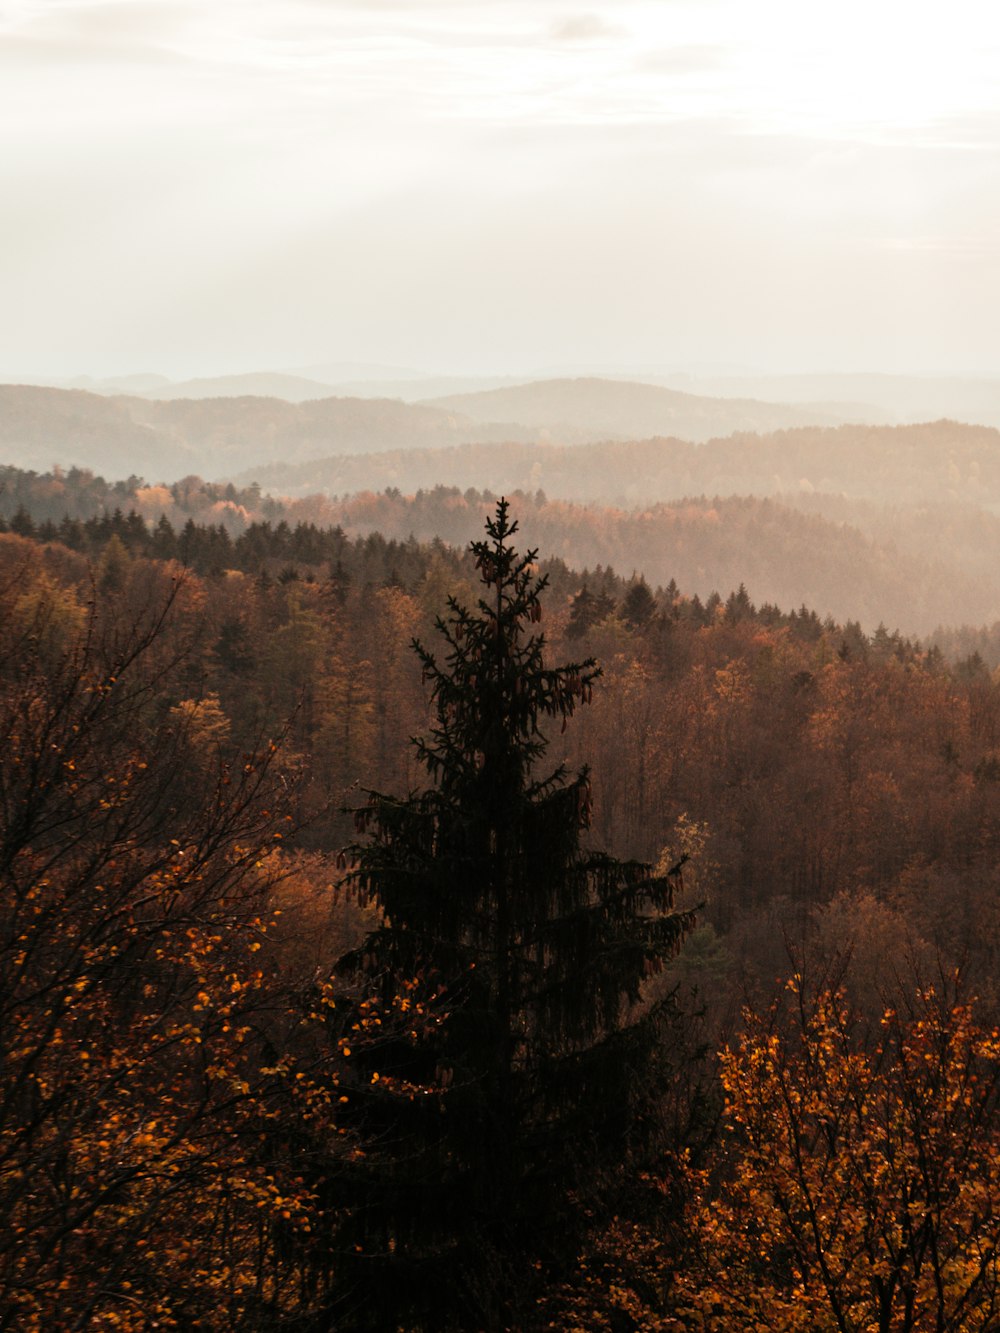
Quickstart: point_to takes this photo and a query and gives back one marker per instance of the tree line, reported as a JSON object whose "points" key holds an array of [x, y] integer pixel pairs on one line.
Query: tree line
{"points": [[916, 567]]}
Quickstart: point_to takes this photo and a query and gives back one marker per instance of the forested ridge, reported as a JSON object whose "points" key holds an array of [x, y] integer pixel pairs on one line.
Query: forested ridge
{"points": [[895, 465], [199, 1107], [920, 568], [184, 434]]}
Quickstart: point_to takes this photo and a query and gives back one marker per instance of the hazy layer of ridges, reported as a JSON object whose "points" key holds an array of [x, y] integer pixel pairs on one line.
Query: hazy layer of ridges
{"points": [[906, 398], [912, 566], [864, 396], [215, 435], [927, 462], [782, 555], [40, 427], [292, 388], [622, 409], [168, 439]]}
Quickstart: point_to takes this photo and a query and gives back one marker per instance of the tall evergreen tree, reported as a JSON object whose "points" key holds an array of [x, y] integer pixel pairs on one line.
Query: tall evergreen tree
{"points": [[543, 1068], [587, 610], [639, 605]]}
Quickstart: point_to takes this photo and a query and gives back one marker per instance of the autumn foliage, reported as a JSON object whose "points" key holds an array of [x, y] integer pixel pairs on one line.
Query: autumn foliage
{"points": [[860, 1174], [190, 1105], [144, 1176]]}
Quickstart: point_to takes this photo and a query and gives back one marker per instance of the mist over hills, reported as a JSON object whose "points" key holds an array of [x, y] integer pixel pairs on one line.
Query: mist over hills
{"points": [[919, 464], [783, 555], [296, 388], [873, 522], [622, 409], [910, 532], [909, 568], [291, 388], [214, 436], [171, 438], [863, 396], [40, 427], [903, 398], [131, 384]]}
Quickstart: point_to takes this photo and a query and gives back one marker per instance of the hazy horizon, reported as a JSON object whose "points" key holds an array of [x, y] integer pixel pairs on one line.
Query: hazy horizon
{"points": [[701, 376], [198, 190]]}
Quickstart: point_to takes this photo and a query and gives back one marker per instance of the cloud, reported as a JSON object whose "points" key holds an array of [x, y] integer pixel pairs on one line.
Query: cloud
{"points": [[103, 23], [934, 245], [96, 34], [681, 60], [973, 130], [583, 28], [25, 52]]}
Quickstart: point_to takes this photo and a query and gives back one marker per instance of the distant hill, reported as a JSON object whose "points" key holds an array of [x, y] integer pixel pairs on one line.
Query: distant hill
{"points": [[784, 556], [926, 463], [117, 384], [40, 427], [914, 567], [267, 384], [109, 387], [571, 409], [227, 431], [337, 372], [168, 439], [827, 398], [910, 568], [425, 389], [217, 435], [904, 398], [300, 389]]}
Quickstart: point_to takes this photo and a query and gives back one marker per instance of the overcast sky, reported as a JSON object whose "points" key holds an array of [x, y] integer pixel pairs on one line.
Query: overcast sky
{"points": [[499, 185]]}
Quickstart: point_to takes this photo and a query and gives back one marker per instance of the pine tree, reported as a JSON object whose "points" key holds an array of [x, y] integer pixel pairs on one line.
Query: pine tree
{"points": [[638, 606], [544, 1063], [587, 610]]}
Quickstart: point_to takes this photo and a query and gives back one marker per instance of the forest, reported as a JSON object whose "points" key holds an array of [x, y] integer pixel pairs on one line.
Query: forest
{"points": [[927, 565], [499, 667], [652, 987]]}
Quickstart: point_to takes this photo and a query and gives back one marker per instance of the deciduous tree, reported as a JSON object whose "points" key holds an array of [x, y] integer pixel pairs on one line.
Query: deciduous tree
{"points": [[864, 1176]]}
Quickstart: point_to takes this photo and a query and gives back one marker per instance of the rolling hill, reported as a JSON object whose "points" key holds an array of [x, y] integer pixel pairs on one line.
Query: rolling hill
{"points": [[168, 439], [266, 384], [921, 464], [40, 427], [782, 555], [590, 408], [904, 398], [218, 435]]}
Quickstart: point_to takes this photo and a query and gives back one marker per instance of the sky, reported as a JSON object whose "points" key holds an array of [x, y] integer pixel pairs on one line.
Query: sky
{"points": [[499, 186]]}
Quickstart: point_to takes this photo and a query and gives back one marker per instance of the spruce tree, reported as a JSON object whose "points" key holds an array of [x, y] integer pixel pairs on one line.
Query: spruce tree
{"points": [[542, 1070], [638, 606], [588, 610]]}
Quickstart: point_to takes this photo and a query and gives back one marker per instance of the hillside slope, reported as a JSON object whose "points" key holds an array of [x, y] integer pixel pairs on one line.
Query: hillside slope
{"points": [[912, 567], [782, 555], [620, 409], [903, 397], [264, 384], [121, 435], [889, 464], [168, 436]]}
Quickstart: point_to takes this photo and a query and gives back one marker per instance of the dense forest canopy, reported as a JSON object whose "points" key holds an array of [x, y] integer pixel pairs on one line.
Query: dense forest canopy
{"points": [[919, 568], [324, 617], [887, 464], [211, 685]]}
